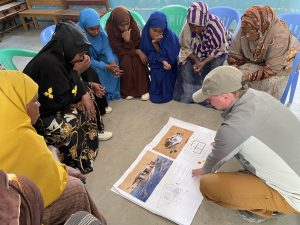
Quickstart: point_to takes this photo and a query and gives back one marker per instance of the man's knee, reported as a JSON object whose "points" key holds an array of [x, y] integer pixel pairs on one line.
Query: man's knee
{"points": [[205, 184], [209, 187]]}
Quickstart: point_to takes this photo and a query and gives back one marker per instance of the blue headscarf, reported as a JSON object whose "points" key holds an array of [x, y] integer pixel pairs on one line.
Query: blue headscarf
{"points": [[90, 18], [169, 44], [100, 44]]}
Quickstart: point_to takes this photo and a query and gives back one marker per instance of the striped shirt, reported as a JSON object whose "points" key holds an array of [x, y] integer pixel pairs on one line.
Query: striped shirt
{"points": [[214, 41]]}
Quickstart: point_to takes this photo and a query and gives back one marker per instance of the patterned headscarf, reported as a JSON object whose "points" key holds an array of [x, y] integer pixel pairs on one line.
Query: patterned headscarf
{"points": [[213, 41], [198, 14], [259, 17]]}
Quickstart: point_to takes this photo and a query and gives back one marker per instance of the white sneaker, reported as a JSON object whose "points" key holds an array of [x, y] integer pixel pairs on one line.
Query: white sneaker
{"points": [[105, 136], [145, 97], [108, 109], [129, 97]]}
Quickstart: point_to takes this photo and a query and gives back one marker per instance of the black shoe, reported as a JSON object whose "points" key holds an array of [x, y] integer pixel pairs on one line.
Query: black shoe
{"points": [[251, 217]]}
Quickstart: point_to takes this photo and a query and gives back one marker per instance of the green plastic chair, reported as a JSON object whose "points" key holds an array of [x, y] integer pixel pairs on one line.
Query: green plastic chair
{"points": [[7, 54], [138, 18], [176, 17]]}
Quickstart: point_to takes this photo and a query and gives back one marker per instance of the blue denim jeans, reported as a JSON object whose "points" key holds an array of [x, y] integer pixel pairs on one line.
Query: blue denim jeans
{"points": [[188, 82]]}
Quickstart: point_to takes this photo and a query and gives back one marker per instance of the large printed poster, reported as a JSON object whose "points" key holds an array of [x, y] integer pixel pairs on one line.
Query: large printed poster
{"points": [[160, 179]]}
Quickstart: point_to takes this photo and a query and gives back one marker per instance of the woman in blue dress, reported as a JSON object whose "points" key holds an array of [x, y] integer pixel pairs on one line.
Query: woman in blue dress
{"points": [[161, 46], [102, 58]]}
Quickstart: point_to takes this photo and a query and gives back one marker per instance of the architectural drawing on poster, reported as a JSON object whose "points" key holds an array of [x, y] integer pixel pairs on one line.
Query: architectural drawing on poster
{"points": [[160, 178], [170, 195], [173, 190], [196, 146]]}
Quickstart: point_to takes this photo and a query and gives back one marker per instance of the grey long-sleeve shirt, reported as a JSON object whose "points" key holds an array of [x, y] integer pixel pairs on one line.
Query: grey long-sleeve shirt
{"points": [[257, 119]]}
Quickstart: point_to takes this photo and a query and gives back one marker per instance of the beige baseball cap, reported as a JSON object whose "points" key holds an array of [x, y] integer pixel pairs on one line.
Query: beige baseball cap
{"points": [[223, 79]]}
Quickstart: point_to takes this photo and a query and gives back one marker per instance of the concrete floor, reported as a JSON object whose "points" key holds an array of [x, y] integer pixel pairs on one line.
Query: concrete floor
{"points": [[135, 123]]}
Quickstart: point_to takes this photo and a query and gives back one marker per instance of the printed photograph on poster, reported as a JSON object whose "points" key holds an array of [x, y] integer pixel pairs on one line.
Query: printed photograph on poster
{"points": [[143, 179], [160, 179], [173, 141]]}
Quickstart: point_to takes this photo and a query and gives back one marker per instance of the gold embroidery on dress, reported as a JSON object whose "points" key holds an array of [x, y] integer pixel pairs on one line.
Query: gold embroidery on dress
{"points": [[258, 52], [272, 41], [49, 93], [73, 152], [67, 129], [290, 56], [92, 155], [92, 133], [74, 90]]}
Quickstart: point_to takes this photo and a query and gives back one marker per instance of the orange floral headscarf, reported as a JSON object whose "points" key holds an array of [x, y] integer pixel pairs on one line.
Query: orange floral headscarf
{"points": [[259, 17]]}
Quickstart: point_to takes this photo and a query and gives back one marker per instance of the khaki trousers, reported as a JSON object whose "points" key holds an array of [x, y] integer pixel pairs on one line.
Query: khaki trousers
{"points": [[243, 191]]}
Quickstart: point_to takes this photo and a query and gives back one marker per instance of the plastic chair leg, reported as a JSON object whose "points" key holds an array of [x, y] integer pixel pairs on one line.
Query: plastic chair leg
{"points": [[293, 87], [287, 89]]}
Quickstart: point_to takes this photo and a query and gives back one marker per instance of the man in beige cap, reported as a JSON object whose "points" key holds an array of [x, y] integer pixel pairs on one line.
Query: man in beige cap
{"points": [[264, 136]]}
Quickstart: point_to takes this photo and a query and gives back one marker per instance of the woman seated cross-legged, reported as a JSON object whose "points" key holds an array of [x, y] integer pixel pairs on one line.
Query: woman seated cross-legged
{"points": [[204, 43], [263, 50], [68, 114]]}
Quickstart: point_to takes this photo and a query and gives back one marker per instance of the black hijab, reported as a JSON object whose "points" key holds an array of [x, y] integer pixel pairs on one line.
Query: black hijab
{"points": [[72, 40], [68, 40], [59, 85]]}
